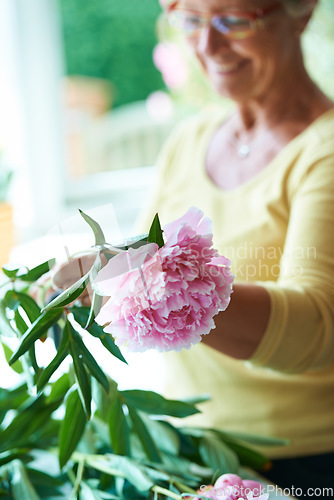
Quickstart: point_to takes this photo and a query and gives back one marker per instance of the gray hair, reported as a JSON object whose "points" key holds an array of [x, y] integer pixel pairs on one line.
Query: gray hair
{"points": [[298, 8]]}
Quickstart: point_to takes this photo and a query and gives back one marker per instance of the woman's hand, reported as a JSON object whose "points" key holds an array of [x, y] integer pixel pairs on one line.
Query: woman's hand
{"points": [[70, 272]]}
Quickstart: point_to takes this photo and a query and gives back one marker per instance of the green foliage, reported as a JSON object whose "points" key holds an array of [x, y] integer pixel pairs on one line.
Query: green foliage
{"points": [[96, 228], [98, 442], [113, 40], [72, 427], [155, 233]]}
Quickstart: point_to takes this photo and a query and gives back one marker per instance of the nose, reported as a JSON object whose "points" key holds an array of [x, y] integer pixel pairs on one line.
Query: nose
{"points": [[211, 41]]}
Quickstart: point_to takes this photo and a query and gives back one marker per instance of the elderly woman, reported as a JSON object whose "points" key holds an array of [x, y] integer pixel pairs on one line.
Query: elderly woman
{"points": [[265, 175]]}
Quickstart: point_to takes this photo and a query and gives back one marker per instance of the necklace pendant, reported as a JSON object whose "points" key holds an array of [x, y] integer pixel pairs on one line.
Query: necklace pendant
{"points": [[243, 151]]}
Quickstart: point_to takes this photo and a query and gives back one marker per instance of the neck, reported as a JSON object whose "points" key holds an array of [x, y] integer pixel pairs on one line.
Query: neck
{"points": [[303, 102]]}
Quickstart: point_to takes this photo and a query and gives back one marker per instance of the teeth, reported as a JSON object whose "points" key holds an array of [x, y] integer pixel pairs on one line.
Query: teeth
{"points": [[225, 67]]}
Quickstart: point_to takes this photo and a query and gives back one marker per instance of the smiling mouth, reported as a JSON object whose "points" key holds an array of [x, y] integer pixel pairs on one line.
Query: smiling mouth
{"points": [[225, 69]]}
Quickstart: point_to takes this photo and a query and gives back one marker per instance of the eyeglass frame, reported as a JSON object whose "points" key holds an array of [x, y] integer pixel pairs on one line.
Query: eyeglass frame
{"points": [[255, 17]]}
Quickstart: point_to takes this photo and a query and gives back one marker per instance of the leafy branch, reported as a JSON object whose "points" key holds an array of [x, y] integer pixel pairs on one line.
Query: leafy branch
{"points": [[110, 443]]}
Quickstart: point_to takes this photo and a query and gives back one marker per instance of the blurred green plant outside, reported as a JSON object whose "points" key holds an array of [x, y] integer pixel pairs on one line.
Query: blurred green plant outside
{"points": [[114, 40]]}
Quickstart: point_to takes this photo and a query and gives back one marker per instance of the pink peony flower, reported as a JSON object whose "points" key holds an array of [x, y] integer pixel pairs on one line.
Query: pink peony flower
{"points": [[166, 298], [165, 4], [229, 486], [252, 496], [253, 487], [208, 492], [233, 487], [169, 61]]}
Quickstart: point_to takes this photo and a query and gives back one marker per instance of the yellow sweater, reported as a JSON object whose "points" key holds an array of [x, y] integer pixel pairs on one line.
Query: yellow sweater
{"points": [[278, 230]]}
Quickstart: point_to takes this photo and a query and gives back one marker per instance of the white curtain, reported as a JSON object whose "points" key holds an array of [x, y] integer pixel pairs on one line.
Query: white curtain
{"points": [[31, 111]]}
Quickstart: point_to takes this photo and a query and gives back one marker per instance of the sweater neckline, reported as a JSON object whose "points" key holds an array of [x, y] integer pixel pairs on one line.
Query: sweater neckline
{"points": [[270, 166]]}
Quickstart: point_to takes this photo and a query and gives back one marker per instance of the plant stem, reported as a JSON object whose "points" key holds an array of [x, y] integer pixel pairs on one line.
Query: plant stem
{"points": [[165, 492], [5, 283], [95, 462], [78, 479], [69, 472], [184, 488]]}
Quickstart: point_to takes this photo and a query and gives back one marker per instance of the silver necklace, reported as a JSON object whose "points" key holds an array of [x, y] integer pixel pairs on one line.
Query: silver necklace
{"points": [[243, 150]]}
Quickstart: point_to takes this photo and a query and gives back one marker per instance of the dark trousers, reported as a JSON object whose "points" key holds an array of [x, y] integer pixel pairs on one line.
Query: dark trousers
{"points": [[314, 472]]}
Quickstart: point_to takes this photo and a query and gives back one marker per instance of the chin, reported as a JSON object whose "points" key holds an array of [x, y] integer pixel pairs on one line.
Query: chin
{"points": [[231, 86], [234, 94]]}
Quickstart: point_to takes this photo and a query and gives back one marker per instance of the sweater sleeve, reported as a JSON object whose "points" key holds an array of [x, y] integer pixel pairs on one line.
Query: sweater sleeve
{"points": [[300, 333]]}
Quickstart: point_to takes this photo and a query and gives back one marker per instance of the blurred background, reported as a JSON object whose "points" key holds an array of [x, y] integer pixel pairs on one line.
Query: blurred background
{"points": [[89, 91]]}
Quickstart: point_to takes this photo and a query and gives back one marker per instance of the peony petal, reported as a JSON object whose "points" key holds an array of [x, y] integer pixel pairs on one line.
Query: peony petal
{"points": [[111, 277], [191, 223]]}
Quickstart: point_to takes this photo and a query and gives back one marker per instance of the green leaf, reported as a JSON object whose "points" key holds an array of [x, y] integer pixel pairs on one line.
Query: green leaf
{"points": [[248, 457], [140, 429], [12, 399], [102, 399], [80, 371], [134, 472], [81, 315], [118, 427], [195, 400], [258, 440], [97, 300], [101, 430], [35, 331], [35, 273], [70, 294], [21, 487], [90, 362], [60, 387], [218, 455], [17, 366], [89, 493], [10, 273], [72, 427], [9, 456], [21, 325], [185, 470], [98, 233], [135, 242], [155, 232], [55, 363], [154, 404], [29, 305], [163, 434], [6, 328], [196, 432], [42, 478], [107, 341], [11, 300], [27, 422]]}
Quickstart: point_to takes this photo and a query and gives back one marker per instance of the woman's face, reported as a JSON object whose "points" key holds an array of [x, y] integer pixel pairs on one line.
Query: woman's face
{"points": [[250, 67]]}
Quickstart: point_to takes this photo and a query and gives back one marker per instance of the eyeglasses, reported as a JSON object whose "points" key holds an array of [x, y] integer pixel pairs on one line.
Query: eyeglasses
{"points": [[230, 24]]}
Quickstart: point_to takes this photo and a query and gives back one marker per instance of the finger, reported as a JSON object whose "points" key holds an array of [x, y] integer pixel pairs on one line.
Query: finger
{"points": [[73, 270]]}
